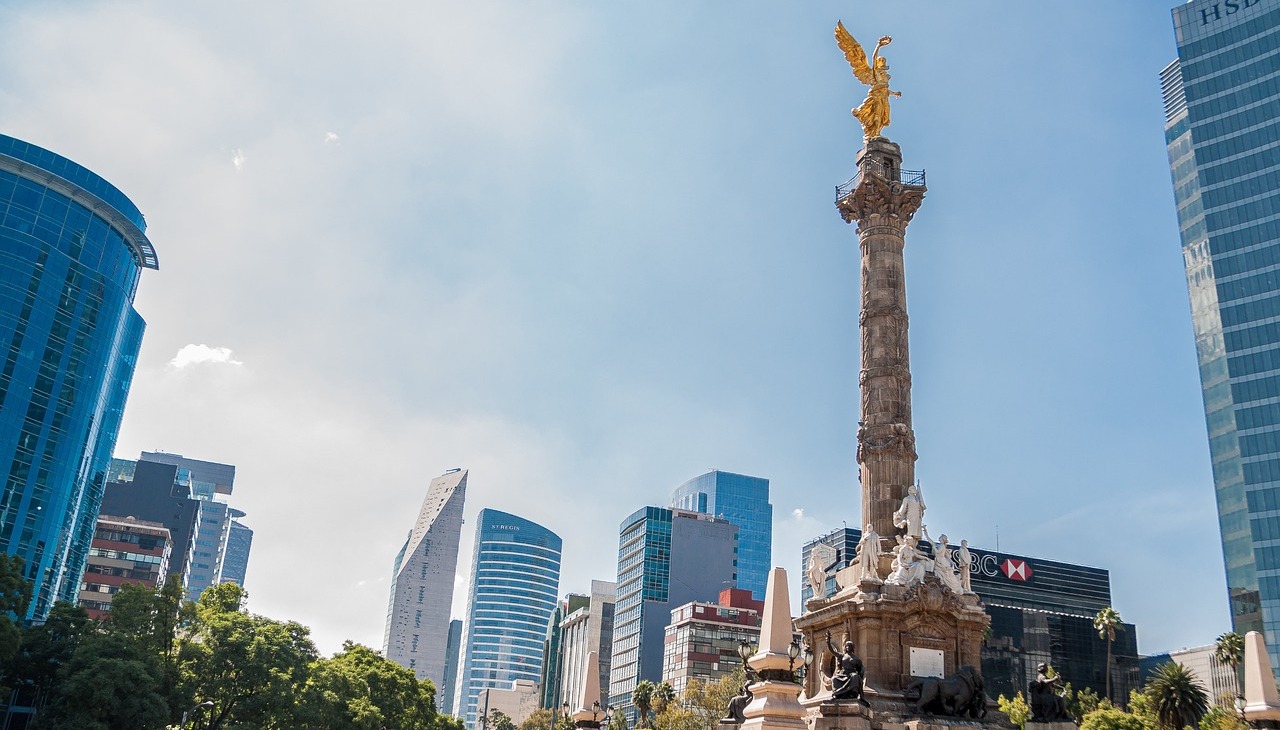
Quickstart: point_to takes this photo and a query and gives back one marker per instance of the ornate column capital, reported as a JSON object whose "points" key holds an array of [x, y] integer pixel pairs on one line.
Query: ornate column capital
{"points": [[877, 202]]}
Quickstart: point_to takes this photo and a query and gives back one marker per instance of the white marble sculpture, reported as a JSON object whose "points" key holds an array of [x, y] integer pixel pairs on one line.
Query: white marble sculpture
{"points": [[869, 555], [817, 575], [907, 569], [910, 515], [964, 559], [943, 567]]}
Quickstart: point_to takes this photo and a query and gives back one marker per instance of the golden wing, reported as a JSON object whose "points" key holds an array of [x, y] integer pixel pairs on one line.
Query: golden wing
{"points": [[854, 54]]}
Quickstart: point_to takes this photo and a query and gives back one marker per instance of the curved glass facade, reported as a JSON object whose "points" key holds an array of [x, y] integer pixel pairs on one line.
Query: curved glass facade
{"points": [[72, 250], [515, 576]]}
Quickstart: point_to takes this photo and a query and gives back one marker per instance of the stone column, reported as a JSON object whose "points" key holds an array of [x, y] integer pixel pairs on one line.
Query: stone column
{"points": [[882, 205], [775, 701]]}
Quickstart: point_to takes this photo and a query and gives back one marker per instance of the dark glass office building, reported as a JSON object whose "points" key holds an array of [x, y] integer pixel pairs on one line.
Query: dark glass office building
{"points": [[744, 501], [1222, 128], [1041, 611], [666, 558], [72, 249], [515, 576]]}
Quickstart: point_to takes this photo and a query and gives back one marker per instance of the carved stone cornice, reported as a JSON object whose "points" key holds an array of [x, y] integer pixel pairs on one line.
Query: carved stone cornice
{"points": [[879, 202], [894, 371], [899, 314], [889, 439]]}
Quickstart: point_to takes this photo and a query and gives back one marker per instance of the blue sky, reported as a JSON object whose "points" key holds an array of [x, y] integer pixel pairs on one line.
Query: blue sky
{"points": [[589, 250]]}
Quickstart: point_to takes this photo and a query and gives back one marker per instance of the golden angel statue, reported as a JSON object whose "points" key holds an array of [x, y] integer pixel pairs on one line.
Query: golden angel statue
{"points": [[874, 112]]}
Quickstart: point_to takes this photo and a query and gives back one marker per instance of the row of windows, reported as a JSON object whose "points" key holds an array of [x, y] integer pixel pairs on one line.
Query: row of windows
{"points": [[1223, 171], [1235, 193], [1261, 472], [1261, 231], [1251, 390], [1260, 443], [1260, 283], [1239, 87], [1243, 212], [1247, 312], [122, 555], [1237, 145], [1257, 362], [1206, 56], [1257, 417]]}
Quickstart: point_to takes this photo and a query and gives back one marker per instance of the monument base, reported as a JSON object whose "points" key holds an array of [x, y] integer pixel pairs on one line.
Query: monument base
{"points": [[889, 711], [900, 633]]}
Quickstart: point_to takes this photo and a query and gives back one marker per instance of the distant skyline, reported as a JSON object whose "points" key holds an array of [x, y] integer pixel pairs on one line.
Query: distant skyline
{"points": [[589, 252]]}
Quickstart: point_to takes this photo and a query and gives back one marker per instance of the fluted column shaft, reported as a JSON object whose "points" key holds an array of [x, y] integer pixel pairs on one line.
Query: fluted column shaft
{"points": [[882, 207]]}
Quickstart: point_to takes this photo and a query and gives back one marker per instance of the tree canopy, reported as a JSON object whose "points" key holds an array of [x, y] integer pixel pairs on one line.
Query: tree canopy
{"points": [[155, 656]]}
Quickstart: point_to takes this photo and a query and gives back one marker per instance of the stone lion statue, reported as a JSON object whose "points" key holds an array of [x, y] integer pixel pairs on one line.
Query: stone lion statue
{"points": [[960, 695]]}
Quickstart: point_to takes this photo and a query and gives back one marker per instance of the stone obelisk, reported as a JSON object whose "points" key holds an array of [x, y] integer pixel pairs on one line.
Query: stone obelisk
{"points": [[881, 202]]}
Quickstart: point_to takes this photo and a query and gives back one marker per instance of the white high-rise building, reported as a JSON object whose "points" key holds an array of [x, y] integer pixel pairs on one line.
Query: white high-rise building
{"points": [[417, 632]]}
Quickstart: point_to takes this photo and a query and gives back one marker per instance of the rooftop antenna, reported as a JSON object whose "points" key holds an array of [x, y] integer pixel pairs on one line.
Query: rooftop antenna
{"points": [[997, 538]]}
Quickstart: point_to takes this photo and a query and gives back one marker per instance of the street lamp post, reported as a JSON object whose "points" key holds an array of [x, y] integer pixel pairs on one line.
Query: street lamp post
{"points": [[207, 704]]}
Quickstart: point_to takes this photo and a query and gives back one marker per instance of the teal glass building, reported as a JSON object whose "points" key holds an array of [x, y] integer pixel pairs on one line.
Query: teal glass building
{"points": [[744, 501], [515, 577], [1222, 129], [72, 249]]}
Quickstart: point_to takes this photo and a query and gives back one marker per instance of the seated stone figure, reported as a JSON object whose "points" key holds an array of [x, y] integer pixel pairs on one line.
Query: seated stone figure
{"points": [[733, 715], [846, 673], [1047, 704]]}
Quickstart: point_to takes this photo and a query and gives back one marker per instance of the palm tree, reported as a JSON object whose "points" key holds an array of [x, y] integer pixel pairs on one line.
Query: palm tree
{"points": [[1107, 622], [1230, 651], [642, 698], [1178, 699], [663, 694]]}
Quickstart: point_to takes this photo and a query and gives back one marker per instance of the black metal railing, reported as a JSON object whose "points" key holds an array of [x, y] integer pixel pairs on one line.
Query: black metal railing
{"points": [[910, 178]]}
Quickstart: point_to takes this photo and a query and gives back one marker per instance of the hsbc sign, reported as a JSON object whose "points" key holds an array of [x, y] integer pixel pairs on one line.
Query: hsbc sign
{"points": [[1015, 569], [991, 565]]}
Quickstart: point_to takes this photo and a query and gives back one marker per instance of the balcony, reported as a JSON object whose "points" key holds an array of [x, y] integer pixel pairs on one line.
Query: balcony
{"points": [[908, 178]]}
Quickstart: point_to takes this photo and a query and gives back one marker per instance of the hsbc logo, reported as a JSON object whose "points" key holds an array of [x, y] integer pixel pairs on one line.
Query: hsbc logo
{"points": [[989, 565], [1015, 569]]}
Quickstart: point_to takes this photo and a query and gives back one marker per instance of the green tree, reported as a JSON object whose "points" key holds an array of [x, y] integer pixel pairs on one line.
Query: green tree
{"points": [[108, 684], [249, 666], [642, 698], [701, 705], [1085, 701], [499, 720], [154, 619], [1017, 709], [49, 646], [617, 721], [1229, 650], [1141, 706], [663, 695], [1106, 623], [1222, 718], [1112, 718], [357, 689], [546, 719], [15, 596], [1178, 699]]}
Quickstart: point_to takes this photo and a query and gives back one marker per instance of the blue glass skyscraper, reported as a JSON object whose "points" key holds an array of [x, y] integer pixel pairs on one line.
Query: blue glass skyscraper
{"points": [[72, 249], [1222, 107], [744, 501], [666, 558], [515, 577]]}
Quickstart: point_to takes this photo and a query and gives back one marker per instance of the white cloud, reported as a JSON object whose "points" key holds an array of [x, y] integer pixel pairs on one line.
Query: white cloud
{"points": [[798, 513], [237, 158], [199, 354], [331, 138]]}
